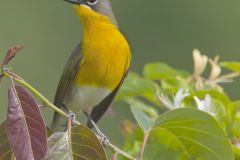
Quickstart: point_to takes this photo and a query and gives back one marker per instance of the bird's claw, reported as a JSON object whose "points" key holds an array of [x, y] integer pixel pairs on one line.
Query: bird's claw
{"points": [[4, 69], [72, 116], [104, 140]]}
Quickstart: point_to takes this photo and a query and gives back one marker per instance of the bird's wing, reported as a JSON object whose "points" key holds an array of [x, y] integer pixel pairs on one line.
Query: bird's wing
{"points": [[69, 73], [99, 110]]}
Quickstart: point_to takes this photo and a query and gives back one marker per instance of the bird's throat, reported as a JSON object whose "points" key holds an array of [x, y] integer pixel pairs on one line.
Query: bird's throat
{"points": [[106, 54]]}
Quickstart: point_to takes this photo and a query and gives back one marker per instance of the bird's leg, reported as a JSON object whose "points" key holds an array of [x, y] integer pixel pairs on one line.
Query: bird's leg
{"points": [[72, 117], [70, 113], [105, 141]]}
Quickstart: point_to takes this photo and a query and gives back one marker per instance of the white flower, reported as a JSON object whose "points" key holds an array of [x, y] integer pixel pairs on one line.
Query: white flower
{"points": [[237, 145], [205, 104], [177, 99], [165, 101], [180, 95], [200, 63], [215, 68]]}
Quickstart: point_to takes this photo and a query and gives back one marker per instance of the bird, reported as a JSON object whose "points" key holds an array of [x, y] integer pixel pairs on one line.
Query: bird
{"points": [[96, 68]]}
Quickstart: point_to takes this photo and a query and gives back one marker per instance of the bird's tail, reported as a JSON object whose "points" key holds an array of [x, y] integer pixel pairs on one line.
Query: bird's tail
{"points": [[59, 123]]}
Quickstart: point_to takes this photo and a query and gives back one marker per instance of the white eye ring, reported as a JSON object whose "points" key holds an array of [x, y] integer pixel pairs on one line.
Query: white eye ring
{"points": [[92, 3]]}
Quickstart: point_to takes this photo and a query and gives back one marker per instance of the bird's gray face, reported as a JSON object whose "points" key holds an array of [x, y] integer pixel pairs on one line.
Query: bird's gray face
{"points": [[89, 3]]}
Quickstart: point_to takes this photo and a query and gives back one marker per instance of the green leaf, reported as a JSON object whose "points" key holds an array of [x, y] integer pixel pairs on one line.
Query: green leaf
{"points": [[135, 85], [236, 152], [218, 109], [173, 84], [188, 134], [133, 143], [81, 144], [234, 127], [58, 146], [222, 97], [233, 119], [158, 71], [234, 66], [86, 144], [150, 110], [233, 108], [49, 131], [144, 121], [163, 145]]}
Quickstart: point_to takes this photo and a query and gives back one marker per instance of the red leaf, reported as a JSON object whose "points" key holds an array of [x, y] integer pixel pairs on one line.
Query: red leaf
{"points": [[1, 76], [5, 149], [25, 125], [11, 53]]}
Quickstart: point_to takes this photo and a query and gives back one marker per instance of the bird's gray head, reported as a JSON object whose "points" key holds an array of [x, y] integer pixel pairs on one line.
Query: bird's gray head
{"points": [[101, 6]]}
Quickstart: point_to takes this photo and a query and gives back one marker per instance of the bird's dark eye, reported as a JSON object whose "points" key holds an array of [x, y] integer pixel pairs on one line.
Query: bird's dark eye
{"points": [[92, 2]]}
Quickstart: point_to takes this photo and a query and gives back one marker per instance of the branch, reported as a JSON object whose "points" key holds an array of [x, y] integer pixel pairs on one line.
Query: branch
{"points": [[115, 156], [119, 151], [55, 108]]}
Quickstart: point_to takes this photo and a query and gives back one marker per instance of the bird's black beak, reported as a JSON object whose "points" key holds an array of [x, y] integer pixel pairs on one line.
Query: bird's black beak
{"points": [[75, 1]]}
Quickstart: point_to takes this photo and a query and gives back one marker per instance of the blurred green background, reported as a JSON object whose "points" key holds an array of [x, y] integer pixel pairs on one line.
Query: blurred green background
{"points": [[157, 31]]}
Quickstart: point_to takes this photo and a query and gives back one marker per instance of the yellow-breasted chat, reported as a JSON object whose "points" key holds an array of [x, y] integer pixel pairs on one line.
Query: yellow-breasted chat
{"points": [[96, 68]]}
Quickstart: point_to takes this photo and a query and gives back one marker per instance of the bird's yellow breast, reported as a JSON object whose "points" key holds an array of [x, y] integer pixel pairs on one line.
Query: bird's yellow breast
{"points": [[106, 53]]}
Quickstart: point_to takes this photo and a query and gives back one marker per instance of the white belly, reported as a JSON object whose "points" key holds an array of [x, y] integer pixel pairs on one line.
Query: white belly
{"points": [[83, 98]]}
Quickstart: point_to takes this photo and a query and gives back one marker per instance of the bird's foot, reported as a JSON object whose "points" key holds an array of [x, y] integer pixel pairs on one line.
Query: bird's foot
{"points": [[104, 139], [4, 69], [72, 116]]}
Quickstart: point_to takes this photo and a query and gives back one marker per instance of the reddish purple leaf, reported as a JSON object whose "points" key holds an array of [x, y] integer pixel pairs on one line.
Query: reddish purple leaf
{"points": [[9, 56], [1, 76], [11, 53], [25, 126], [5, 149]]}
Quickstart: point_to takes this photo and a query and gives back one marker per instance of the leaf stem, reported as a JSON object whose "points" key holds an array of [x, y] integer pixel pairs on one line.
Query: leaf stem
{"points": [[69, 128], [145, 139], [38, 94], [55, 108]]}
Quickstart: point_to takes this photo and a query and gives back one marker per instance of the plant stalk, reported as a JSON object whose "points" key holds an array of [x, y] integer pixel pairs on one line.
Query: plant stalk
{"points": [[55, 108]]}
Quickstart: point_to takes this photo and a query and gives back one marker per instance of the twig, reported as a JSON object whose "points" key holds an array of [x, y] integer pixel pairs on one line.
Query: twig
{"points": [[115, 156], [119, 151], [55, 108], [69, 128], [41, 106], [145, 139]]}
